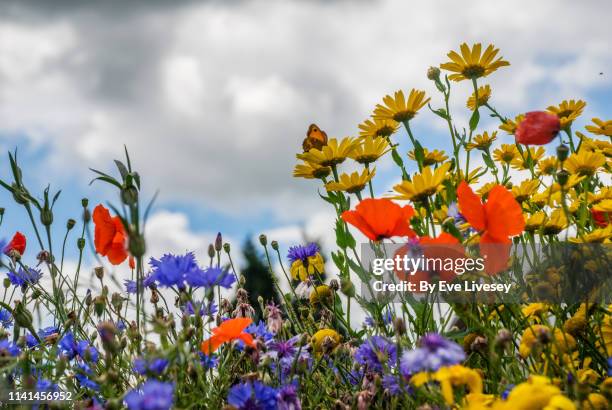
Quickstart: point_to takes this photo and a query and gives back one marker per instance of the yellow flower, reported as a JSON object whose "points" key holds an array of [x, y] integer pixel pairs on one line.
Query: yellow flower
{"points": [[561, 342], [482, 141], [604, 193], [548, 166], [423, 185], [510, 125], [595, 401], [399, 109], [473, 63], [567, 111], [325, 340], [484, 190], [535, 221], [578, 321], [331, 154], [303, 269], [378, 128], [560, 402], [535, 310], [555, 223], [603, 206], [584, 162], [534, 394], [572, 181], [321, 293], [536, 155], [606, 332], [601, 235], [430, 157], [506, 154], [457, 375], [369, 150], [600, 127], [484, 93], [527, 188], [310, 171], [352, 183], [595, 145], [478, 401]]}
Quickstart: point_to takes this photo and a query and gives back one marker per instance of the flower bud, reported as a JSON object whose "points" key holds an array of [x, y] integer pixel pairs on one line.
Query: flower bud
{"points": [[99, 305], [218, 242], [562, 177], [562, 152], [1, 211], [99, 272], [81, 243], [46, 216], [347, 287], [129, 195], [433, 73], [70, 224], [400, 326], [211, 251], [263, 239], [226, 248], [137, 245], [20, 194], [117, 301], [6, 282], [36, 294], [84, 202], [334, 285], [274, 245], [22, 315]]}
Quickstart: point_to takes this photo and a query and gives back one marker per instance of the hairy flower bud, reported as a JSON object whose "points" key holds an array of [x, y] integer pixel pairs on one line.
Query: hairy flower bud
{"points": [[226, 248], [433, 73], [263, 239], [81, 243], [274, 245], [218, 242], [99, 272], [129, 195], [70, 224], [84, 202], [211, 251]]}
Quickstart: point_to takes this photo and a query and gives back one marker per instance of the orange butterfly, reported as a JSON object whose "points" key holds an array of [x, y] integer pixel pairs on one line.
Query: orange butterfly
{"points": [[497, 220], [315, 138]]}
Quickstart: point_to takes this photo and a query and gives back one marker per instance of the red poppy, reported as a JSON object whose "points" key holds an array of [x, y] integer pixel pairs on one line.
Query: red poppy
{"points": [[537, 128], [380, 218], [132, 262], [18, 244], [497, 220], [230, 330], [601, 218], [110, 238]]}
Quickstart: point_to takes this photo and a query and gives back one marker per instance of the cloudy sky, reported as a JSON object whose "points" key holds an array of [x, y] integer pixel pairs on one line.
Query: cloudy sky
{"points": [[213, 98]]}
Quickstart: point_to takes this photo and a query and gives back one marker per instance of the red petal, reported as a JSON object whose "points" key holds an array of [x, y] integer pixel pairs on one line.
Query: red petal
{"points": [[471, 206]]}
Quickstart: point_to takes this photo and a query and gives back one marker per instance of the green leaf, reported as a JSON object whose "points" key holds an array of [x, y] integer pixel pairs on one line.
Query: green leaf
{"points": [[474, 119], [419, 152], [396, 158], [123, 171]]}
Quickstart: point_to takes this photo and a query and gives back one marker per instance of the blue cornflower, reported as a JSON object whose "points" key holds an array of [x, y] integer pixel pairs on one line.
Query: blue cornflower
{"points": [[155, 366], [213, 277], [205, 309], [46, 386], [9, 348], [208, 362], [42, 334], [285, 352], [83, 375], [252, 396], [287, 398], [71, 348], [120, 325], [507, 391], [376, 351], [392, 385], [183, 271], [260, 330], [302, 253], [130, 286], [152, 395], [23, 277], [609, 366], [387, 318], [6, 319], [434, 352]]}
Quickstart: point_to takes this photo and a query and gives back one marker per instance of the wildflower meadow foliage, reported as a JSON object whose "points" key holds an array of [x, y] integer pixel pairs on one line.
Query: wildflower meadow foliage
{"points": [[177, 332]]}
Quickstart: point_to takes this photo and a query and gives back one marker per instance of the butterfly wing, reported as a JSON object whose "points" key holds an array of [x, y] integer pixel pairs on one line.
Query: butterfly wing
{"points": [[503, 213], [315, 138]]}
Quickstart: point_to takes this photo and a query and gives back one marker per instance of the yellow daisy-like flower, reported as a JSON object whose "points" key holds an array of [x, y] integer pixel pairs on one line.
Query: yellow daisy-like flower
{"points": [[536, 155], [527, 188], [482, 141], [555, 223], [310, 171], [377, 127], [352, 183], [303, 269], [473, 63], [506, 154], [600, 127], [430, 157], [484, 93], [567, 111], [510, 125], [595, 401], [535, 221], [584, 162], [603, 206], [561, 343], [325, 340], [457, 375], [423, 185], [548, 166], [535, 310], [369, 150], [595, 145], [601, 235], [571, 182], [606, 332], [603, 194], [400, 109], [321, 294], [538, 392], [576, 324], [484, 190], [333, 153]]}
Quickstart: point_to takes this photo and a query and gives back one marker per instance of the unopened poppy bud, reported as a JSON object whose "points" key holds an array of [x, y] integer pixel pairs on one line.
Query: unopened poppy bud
{"points": [[218, 242], [263, 239], [6, 282], [70, 224], [211, 251], [274, 245], [562, 177], [562, 152], [241, 280], [400, 326], [226, 247], [137, 246], [433, 73], [84, 202], [99, 272], [347, 287], [81, 243]]}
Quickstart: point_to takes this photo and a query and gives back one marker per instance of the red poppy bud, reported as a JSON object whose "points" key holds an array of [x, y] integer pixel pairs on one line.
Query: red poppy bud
{"points": [[18, 244], [538, 128]]}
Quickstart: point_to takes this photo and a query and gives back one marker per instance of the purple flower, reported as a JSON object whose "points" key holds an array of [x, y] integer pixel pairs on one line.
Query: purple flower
{"points": [[375, 352], [183, 271], [46, 386], [387, 318], [252, 396], [208, 362], [42, 334], [434, 351], [609, 366], [203, 309], [287, 398], [83, 375], [302, 253], [23, 277], [9, 348], [71, 348], [154, 366], [6, 319], [130, 286], [152, 395], [392, 385], [212, 277]]}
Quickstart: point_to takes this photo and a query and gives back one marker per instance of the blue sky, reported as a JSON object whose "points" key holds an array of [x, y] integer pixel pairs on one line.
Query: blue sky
{"points": [[213, 100]]}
